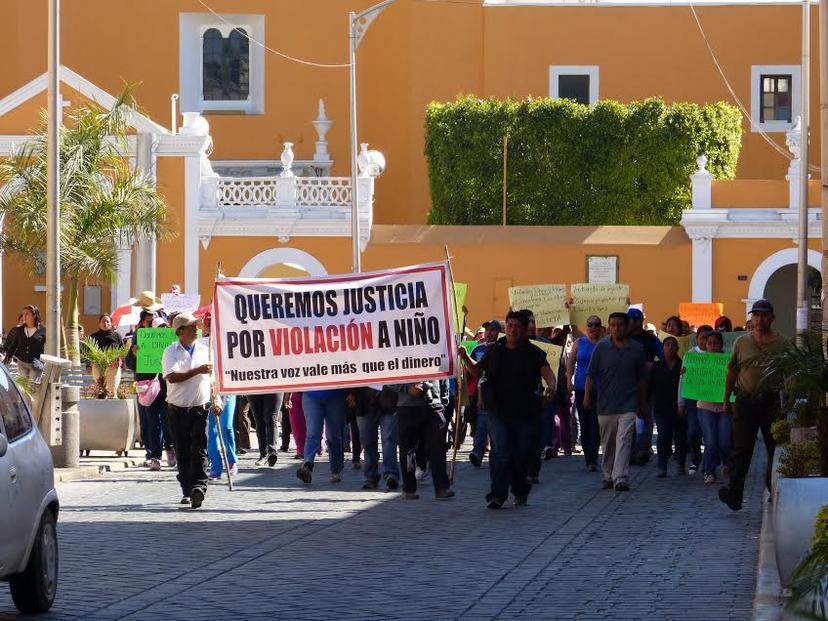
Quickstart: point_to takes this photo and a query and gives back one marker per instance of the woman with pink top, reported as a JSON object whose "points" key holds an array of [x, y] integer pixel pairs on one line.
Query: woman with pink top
{"points": [[297, 422], [715, 424]]}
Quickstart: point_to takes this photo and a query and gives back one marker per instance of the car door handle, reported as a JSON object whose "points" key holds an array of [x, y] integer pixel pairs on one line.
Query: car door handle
{"points": [[13, 473]]}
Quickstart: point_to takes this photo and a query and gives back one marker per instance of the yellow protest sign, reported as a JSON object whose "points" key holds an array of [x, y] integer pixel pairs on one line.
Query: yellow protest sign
{"points": [[685, 343], [553, 356], [547, 302], [700, 314], [460, 290], [599, 299]]}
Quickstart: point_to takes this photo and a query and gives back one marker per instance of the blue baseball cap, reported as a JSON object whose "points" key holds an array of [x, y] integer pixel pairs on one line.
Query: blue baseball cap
{"points": [[494, 323], [635, 313]]}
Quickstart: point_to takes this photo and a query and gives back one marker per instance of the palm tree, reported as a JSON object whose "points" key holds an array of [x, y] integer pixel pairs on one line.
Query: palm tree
{"points": [[103, 203]]}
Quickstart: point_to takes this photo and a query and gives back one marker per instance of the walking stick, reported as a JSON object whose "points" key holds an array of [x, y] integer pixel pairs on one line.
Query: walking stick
{"points": [[457, 415], [214, 396]]}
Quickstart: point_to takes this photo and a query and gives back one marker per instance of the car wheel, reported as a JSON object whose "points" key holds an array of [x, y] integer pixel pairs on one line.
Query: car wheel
{"points": [[34, 590]]}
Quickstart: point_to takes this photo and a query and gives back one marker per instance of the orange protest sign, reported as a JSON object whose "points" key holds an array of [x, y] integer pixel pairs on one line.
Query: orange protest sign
{"points": [[701, 314]]}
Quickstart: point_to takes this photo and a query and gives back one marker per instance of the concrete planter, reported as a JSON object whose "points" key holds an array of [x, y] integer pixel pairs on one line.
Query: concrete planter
{"points": [[796, 503], [107, 424]]}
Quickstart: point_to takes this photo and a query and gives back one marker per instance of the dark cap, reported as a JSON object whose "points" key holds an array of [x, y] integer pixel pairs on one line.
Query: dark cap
{"points": [[635, 313], [761, 306], [494, 323]]}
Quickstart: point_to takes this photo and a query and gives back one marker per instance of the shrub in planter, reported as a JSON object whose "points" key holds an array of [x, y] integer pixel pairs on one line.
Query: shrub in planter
{"points": [[799, 460], [811, 576], [101, 360]]}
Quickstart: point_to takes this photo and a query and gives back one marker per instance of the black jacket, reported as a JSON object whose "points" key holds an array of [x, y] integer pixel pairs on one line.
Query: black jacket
{"points": [[26, 348]]}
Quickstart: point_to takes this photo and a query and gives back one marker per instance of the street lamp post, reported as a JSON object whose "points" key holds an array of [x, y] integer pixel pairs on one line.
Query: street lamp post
{"points": [[53, 329], [358, 24]]}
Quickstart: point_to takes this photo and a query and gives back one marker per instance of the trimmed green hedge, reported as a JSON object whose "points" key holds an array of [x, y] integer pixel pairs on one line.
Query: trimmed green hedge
{"points": [[571, 164]]}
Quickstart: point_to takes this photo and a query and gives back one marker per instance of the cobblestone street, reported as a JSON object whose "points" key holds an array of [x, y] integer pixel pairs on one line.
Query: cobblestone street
{"points": [[276, 549]]}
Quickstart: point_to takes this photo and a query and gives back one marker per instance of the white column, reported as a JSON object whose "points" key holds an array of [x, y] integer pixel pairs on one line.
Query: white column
{"points": [[192, 190], [702, 269], [701, 183], [145, 249], [123, 282]]}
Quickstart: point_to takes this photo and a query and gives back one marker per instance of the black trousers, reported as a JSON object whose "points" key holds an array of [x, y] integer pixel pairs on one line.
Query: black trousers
{"points": [[241, 424], [285, 440], [265, 409], [750, 415], [590, 436], [420, 427], [189, 430]]}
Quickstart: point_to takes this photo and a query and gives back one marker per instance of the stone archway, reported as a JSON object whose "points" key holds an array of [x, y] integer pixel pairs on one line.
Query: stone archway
{"points": [[774, 274], [295, 262]]}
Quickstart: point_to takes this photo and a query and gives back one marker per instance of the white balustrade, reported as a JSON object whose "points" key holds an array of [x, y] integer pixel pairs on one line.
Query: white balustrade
{"points": [[247, 191], [296, 192], [323, 192]]}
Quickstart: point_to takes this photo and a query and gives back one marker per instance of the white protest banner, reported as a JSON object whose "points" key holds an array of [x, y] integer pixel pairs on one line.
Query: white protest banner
{"points": [[392, 326], [547, 303], [180, 302]]}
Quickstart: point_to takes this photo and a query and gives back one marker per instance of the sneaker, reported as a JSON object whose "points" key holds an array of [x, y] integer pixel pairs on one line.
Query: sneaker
{"points": [[730, 498], [357, 465], [410, 496], [622, 487], [185, 500], [336, 478], [155, 465], [214, 476], [284, 449], [260, 462], [607, 484], [693, 469], [172, 461], [444, 494], [234, 470], [548, 453], [304, 474], [392, 483], [420, 474], [147, 462], [592, 468], [272, 458], [662, 474], [196, 498], [368, 485], [709, 478], [475, 460], [520, 501], [493, 502]]}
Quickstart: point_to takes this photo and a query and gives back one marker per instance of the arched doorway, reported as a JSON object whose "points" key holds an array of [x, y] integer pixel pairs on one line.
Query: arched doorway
{"points": [[781, 291], [283, 263]]}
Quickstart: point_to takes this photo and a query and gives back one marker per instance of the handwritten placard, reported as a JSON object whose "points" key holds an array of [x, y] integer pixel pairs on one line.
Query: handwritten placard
{"points": [[547, 302], [151, 345], [704, 376], [685, 343], [460, 290], [700, 314], [180, 302], [598, 299], [553, 356]]}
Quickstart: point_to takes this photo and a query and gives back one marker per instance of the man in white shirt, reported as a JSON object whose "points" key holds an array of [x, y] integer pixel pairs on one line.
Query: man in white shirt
{"points": [[186, 367]]}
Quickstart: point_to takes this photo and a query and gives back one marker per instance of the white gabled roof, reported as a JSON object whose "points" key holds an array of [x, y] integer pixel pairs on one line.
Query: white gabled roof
{"points": [[85, 88]]}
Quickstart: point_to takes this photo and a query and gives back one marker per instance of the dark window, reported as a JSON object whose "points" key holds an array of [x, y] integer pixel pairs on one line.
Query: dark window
{"points": [[574, 87], [16, 418], [225, 65], [776, 98]]}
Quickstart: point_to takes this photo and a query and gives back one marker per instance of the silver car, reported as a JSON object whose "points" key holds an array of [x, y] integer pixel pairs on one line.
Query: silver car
{"points": [[28, 505]]}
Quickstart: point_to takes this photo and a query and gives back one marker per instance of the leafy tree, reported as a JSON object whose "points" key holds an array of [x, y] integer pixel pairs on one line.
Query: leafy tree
{"points": [[103, 202]]}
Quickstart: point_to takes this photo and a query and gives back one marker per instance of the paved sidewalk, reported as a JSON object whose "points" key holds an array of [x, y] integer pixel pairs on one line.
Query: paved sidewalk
{"points": [[275, 548]]}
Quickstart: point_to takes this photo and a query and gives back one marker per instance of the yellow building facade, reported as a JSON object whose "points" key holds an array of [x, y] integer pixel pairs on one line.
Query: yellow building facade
{"points": [[248, 80]]}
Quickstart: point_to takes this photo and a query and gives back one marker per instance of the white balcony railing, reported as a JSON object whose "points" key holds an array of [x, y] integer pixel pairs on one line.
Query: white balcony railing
{"points": [[299, 192]]}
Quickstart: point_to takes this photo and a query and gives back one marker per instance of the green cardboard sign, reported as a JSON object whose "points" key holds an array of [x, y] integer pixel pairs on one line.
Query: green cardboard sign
{"points": [[704, 376], [470, 345], [151, 345]]}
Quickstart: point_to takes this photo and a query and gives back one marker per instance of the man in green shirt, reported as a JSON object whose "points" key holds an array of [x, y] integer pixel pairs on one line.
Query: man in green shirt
{"points": [[754, 410]]}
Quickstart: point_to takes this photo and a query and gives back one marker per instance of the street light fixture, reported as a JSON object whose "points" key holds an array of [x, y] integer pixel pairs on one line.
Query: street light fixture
{"points": [[358, 24]]}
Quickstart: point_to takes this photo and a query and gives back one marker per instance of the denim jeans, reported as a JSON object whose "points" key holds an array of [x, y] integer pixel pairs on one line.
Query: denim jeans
{"points": [[672, 429], [149, 417], [694, 433], [226, 422], [369, 426], [590, 438], [718, 439], [481, 434], [330, 412], [513, 446]]}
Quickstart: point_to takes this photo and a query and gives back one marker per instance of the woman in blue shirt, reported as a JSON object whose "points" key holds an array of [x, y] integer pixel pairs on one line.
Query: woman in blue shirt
{"points": [[577, 363]]}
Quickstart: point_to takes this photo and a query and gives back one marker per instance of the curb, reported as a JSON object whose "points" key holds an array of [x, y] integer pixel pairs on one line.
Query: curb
{"points": [[65, 475], [767, 599]]}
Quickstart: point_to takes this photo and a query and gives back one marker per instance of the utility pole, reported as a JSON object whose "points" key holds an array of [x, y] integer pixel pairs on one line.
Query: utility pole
{"points": [[358, 24], [823, 113], [53, 325]]}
